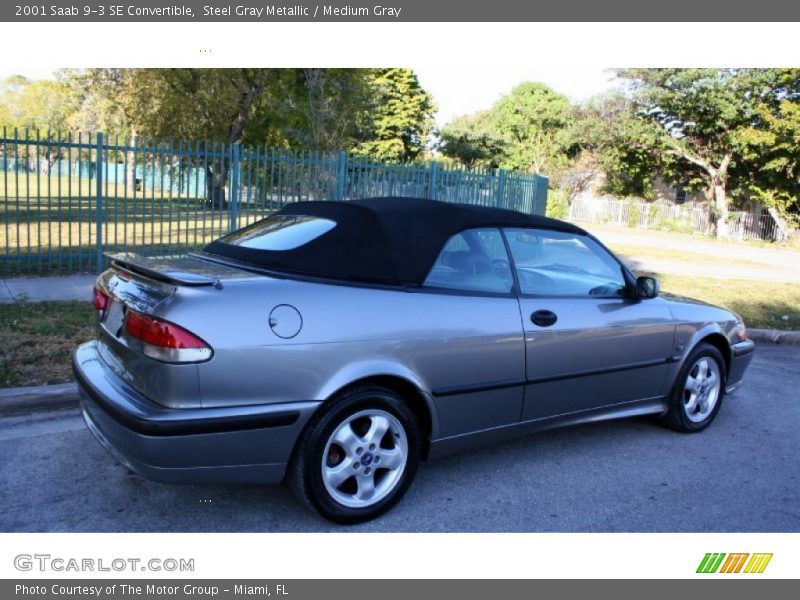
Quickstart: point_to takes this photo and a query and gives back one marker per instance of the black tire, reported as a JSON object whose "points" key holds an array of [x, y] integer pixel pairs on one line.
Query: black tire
{"points": [[678, 416], [305, 475]]}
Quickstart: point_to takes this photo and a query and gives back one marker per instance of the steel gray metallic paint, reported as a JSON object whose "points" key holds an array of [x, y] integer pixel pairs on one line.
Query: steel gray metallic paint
{"points": [[696, 321], [432, 340], [483, 369], [210, 451], [599, 352]]}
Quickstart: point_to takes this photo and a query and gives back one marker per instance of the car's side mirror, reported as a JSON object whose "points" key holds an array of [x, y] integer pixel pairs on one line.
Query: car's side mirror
{"points": [[646, 287]]}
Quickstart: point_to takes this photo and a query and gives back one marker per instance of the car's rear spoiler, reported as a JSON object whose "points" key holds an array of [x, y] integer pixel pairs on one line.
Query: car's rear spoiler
{"points": [[138, 265]]}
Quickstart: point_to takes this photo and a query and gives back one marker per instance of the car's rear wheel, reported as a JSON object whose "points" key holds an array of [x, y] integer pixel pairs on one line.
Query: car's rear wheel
{"points": [[357, 456], [698, 392]]}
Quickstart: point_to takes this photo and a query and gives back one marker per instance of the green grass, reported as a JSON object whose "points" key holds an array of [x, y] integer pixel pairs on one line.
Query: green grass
{"points": [[17, 185], [761, 304], [38, 339], [40, 236]]}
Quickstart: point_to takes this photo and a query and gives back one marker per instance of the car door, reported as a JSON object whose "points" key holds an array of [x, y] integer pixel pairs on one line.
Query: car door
{"points": [[474, 361], [587, 343]]}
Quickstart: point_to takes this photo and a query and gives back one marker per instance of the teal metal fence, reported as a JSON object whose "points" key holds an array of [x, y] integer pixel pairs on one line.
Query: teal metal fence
{"points": [[67, 199]]}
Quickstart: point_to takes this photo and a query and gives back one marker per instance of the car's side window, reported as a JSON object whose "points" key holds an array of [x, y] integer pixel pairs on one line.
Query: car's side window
{"points": [[473, 261], [555, 263]]}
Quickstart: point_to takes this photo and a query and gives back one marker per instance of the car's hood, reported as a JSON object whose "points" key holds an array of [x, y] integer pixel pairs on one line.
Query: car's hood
{"points": [[685, 308], [677, 298]]}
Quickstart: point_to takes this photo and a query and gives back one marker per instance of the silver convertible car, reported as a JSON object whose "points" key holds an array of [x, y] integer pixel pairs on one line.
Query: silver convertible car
{"points": [[337, 344]]}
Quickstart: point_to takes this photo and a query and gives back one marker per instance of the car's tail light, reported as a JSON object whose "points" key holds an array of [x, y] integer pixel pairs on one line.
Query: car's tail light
{"points": [[99, 298], [165, 341]]}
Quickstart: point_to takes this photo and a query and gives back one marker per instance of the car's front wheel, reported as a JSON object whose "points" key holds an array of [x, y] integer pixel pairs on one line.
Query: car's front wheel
{"points": [[357, 456], [698, 392]]}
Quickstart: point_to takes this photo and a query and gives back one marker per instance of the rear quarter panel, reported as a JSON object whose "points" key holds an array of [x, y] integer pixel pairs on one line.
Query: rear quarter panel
{"points": [[348, 333]]}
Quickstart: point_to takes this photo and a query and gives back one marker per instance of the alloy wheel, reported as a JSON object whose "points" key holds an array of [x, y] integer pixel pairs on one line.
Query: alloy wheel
{"points": [[364, 458], [701, 389]]}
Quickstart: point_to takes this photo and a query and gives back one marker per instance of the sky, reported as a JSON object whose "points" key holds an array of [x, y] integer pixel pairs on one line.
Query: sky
{"points": [[461, 91], [464, 90]]}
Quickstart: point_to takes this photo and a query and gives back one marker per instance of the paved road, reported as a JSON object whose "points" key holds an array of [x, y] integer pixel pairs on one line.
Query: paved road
{"points": [[742, 474], [35, 289], [700, 269], [712, 258]]}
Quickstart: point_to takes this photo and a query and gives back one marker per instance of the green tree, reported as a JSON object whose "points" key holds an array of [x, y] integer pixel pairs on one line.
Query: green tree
{"points": [[699, 115], [10, 106], [473, 141], [771, 150], [5, 113], [534, 121], [402, 116], [43, 105], [319, 109], [96, 111], [381, 112], [530, 129], [190, 104], [624, 146], [115, 95], [43, 108]]}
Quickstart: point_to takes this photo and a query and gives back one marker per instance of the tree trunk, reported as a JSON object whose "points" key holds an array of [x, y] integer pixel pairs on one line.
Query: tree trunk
{"points": [[784, 227], [717, 180], [46, 166], [720, 207], [215, 187], [130, 166]]}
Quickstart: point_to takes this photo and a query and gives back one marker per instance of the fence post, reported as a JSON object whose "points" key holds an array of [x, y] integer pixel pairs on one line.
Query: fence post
{"points": [[540, 195], [433, 181], [233, 205], [501, 189], [99, 200], [341, 175]]}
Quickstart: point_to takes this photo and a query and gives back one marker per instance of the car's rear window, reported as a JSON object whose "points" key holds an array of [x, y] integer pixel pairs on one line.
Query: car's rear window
{"points": [[280, 232]]}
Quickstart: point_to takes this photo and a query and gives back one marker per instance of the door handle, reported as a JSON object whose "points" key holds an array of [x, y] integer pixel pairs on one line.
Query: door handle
{"points": [[544, 318]]}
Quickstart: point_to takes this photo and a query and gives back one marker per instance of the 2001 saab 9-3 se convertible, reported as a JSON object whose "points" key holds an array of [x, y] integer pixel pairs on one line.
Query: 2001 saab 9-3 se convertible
{"points": [[339, 343]]}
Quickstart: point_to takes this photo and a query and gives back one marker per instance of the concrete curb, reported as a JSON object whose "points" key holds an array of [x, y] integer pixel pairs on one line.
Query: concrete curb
{"points": [[21, 400], [774, 336]]}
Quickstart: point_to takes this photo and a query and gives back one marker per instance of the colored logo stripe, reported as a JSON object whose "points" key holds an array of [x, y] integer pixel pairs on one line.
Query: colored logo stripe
{"points": [[733, 564], [758, 563], [710, 562]]}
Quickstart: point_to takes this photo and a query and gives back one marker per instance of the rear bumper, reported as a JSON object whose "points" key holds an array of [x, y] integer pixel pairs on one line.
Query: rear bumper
{"points": [[230, 444], [741, 355]]}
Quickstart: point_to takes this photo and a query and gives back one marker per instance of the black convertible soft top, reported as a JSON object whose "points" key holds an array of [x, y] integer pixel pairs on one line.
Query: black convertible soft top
{"points": [[392, 241]]}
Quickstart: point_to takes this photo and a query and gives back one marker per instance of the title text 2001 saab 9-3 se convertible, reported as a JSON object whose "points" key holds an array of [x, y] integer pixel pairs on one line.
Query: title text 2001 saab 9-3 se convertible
{"points": [[338, 343]]}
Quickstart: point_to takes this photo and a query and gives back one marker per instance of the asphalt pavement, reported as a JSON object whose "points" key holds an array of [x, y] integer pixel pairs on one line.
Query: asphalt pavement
{"points": [[741, 474], [37, 289]]}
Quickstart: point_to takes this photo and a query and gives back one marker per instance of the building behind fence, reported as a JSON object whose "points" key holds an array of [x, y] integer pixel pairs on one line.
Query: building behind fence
{"points": [[685, 218], [67, 199]]}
